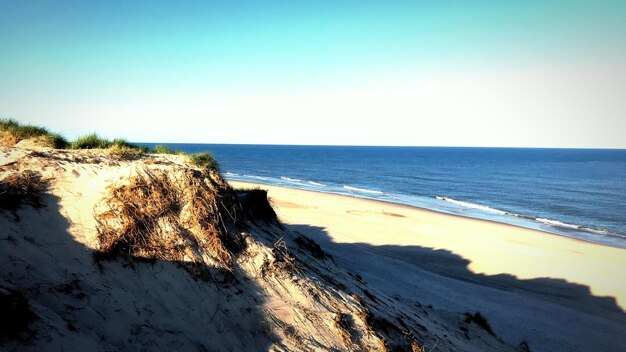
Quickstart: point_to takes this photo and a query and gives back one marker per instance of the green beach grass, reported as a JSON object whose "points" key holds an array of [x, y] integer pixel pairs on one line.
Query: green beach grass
{"points": [[12, 132]]}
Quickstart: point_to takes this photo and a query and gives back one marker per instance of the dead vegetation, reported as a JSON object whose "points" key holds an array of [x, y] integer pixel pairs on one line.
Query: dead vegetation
{"points": [[479, 320], [21, 188], [311, 246], [182, 216], [391, 336], [283, 264], [256, 205]]}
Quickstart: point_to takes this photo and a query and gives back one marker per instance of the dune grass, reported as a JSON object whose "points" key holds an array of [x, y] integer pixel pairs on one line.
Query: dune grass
{"points": [[163, 149], [119, 148], [125, 153], [94, 141], [204, 160], [90, 141], [12, 132]]}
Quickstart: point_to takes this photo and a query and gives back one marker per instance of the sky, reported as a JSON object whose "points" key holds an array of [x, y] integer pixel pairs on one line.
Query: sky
{"points": [[425, 73]]}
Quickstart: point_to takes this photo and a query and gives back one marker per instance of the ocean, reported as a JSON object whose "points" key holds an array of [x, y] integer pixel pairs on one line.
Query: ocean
{"points": [[579, 193]]}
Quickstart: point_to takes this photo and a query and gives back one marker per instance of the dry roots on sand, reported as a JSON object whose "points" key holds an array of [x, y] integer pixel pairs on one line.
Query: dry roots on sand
{"points": [[21, 188], [181, 216]]}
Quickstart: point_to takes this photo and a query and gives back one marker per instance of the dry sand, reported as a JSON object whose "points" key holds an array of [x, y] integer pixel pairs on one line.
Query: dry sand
{"points": [[556, 292]]}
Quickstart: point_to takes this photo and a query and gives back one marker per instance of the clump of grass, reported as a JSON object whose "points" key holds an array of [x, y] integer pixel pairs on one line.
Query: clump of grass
{"points": [[12, 132], [125, 153], [57, 141], [167, 216], [479, 320], [90, 141], [204, 160], [163, 149], [21, 188], [119, 148]]}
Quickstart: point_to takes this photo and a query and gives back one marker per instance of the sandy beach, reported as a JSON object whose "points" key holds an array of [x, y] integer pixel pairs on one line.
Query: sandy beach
{"points": [[549, 289]]}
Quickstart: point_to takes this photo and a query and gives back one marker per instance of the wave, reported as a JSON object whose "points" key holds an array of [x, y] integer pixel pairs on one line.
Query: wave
{"points": [[473, 206], [577, 227], [316, 184], [257, 177], [545, 221], [290, 179], [363, 190], [556, 223], [231, 174]]}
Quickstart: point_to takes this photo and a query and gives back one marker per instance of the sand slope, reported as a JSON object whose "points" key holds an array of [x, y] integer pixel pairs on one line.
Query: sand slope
{"points": [[282, 294], [557, 293]]}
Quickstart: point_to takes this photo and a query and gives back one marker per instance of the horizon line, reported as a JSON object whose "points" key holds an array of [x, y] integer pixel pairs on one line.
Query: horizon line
{"points": [[384, 146]]}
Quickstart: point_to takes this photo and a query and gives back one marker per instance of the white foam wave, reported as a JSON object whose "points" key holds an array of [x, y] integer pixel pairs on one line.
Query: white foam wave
{"points": [[556, 223], [316, 184], [231, 174], [577, 227], [257, 177], [362, 190], [472, 205], [545, 221], [290, 179]]}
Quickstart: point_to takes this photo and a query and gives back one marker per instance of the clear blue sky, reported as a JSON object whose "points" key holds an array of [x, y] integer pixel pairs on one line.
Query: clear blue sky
{"points": [[468, 73]]}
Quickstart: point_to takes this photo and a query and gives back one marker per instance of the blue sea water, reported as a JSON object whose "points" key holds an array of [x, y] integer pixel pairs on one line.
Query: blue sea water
{"points": [[579, 193]]}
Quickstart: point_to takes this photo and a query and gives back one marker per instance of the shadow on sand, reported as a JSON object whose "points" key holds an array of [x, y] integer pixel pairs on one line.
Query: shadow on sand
{"points": [[122, 304], [534, 310]]}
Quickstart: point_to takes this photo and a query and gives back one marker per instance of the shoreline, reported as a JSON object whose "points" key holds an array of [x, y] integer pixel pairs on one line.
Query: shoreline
{"points": [[410, 206], [490, 247]]}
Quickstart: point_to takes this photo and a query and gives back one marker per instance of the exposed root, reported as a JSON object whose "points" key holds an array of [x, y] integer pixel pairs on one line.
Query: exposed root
{"points": [[281, 263], [21, 188], [168, 216]]}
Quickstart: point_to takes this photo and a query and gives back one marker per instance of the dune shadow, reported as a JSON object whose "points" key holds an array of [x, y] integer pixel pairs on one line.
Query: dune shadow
{"points": [[122, 304], [426, 274]]}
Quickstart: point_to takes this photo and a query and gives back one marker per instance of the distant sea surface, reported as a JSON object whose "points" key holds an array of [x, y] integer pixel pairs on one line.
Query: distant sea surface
{"points": [[579, 193]]}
